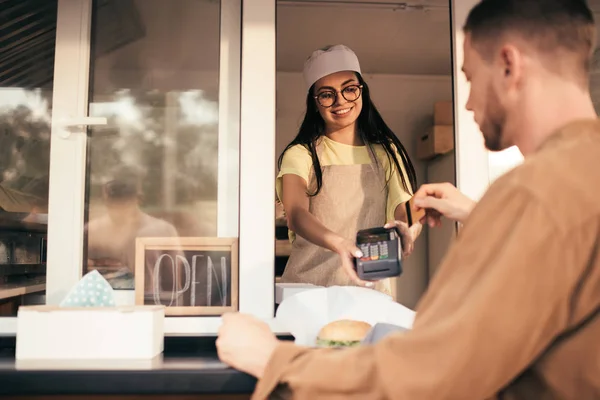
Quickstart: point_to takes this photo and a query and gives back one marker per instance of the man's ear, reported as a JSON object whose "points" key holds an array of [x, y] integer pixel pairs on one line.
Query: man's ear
{"points": [[511, 61]]}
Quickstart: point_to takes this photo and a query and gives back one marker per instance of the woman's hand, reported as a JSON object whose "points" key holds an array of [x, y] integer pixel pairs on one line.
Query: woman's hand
{"points": [[348, 251], [407, 235]]}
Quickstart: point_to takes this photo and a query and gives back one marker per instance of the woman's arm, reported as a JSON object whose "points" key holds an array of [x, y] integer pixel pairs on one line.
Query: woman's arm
{"points": [[400, 198], [295, 203], [408, 235]]}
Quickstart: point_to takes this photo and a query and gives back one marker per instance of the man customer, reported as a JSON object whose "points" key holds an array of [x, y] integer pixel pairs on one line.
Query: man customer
{"points": [[514, 310]]}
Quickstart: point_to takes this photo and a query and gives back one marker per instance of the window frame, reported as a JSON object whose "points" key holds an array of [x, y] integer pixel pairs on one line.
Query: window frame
{"points": [[476, 167], [472, 163], [247, 92]]}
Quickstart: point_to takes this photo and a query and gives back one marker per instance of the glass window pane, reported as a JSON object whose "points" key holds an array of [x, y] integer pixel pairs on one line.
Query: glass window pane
{"points": [[27, 43], [155, 170]]}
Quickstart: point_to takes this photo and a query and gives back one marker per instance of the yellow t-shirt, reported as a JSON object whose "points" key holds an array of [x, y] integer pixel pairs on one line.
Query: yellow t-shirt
{"points": [[297, 161]]}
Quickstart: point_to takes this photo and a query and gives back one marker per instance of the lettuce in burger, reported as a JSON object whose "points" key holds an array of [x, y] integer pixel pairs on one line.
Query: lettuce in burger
{"points": [[343, 333]]}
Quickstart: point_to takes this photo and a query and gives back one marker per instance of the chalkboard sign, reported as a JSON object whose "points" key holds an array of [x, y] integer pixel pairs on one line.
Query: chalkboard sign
{"points": [[189, 276]]}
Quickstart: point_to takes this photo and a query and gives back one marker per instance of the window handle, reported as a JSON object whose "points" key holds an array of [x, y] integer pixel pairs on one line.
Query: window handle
{"points": [[66, 126]]}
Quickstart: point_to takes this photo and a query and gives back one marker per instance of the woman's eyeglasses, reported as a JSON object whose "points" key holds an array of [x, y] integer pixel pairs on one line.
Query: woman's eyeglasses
{"points": [[327, 97]]}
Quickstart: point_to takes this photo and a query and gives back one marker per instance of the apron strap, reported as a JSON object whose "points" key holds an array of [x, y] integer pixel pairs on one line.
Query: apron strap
{"points": [[376, 167]]}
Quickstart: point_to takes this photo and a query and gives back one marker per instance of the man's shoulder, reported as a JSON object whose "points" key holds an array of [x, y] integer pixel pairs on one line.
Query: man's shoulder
{"points": [[153, 226], [562, 176], [99, 223], [565, 161]]}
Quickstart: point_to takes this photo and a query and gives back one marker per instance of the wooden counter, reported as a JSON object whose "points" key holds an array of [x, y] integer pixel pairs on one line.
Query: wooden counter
{"points": [[188, 369], [8, 290]]}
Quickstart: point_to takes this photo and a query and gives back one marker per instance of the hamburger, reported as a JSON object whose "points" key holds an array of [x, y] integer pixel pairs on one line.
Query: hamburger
{"points": [[342, 333]]}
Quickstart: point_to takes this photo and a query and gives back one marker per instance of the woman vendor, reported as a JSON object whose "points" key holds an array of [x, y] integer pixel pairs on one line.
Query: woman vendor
{"points": [[340, 174]]}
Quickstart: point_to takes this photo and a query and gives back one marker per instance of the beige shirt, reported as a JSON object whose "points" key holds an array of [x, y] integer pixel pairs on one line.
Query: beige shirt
{"points": [[514, 310]]}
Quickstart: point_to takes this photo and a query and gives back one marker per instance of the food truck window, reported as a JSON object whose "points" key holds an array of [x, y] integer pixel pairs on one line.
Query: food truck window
{"points": [[163, 117], [27, 40]]}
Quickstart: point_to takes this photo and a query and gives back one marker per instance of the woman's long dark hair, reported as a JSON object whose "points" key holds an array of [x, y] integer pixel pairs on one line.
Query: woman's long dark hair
{"points": [[371, 129]]}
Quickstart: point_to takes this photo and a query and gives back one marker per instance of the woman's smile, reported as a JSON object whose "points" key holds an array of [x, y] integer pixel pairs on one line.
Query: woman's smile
{"points": [[342, 112]]}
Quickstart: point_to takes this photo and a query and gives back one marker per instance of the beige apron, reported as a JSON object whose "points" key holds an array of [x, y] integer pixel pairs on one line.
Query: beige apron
{"points": [[353, 197]]}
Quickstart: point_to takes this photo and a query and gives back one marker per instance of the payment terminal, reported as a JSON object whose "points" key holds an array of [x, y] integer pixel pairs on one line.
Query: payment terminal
{"points": [[381, 254]]}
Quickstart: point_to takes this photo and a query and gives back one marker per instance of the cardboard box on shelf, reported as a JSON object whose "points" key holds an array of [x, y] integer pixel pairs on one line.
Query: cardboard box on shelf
{"points": [[439, 140], [443, 113]]}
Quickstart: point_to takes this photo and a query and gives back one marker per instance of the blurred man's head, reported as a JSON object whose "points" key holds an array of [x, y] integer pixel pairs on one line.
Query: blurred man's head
{"points": [[521, 57], [122, 191]]}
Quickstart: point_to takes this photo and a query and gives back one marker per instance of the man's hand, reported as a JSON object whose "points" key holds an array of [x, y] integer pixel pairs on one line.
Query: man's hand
{"points": [[407, 235], [442, 199], [245, 343]]}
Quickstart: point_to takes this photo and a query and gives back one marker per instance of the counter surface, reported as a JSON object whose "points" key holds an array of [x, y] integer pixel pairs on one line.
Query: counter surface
{"points": [[8, 290], [189, 365]]}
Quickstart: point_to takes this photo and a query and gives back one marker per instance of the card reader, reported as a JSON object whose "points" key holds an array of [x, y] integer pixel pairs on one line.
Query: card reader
{"points": [[381, 254]]}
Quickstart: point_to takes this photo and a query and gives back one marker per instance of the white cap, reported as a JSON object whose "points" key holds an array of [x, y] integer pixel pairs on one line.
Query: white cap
{"points": [[328, 61]]}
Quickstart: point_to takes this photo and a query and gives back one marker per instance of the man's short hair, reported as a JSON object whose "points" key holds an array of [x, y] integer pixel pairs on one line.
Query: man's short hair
{"points": [[549, 25], [124, 183]]}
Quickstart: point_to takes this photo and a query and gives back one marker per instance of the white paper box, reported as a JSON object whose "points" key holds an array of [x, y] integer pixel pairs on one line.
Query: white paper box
{"points": [[285, 290], [305, 313], [90, 333]]}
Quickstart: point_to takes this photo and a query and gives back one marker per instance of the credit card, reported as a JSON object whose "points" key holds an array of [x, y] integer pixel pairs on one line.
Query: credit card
{"points": [[416, 215]]}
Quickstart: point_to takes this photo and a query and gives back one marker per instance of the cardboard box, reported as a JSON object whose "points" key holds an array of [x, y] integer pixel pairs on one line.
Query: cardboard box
{"points": [[439, 140], [443, 113], [90, 333]]}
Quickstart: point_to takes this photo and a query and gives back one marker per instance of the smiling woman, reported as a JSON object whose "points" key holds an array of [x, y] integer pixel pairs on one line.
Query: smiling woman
{"points": [[340, 174]]}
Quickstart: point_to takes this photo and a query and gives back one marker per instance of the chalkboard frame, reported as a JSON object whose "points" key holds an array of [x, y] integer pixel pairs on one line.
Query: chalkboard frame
{"points": [[188, 244]]}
